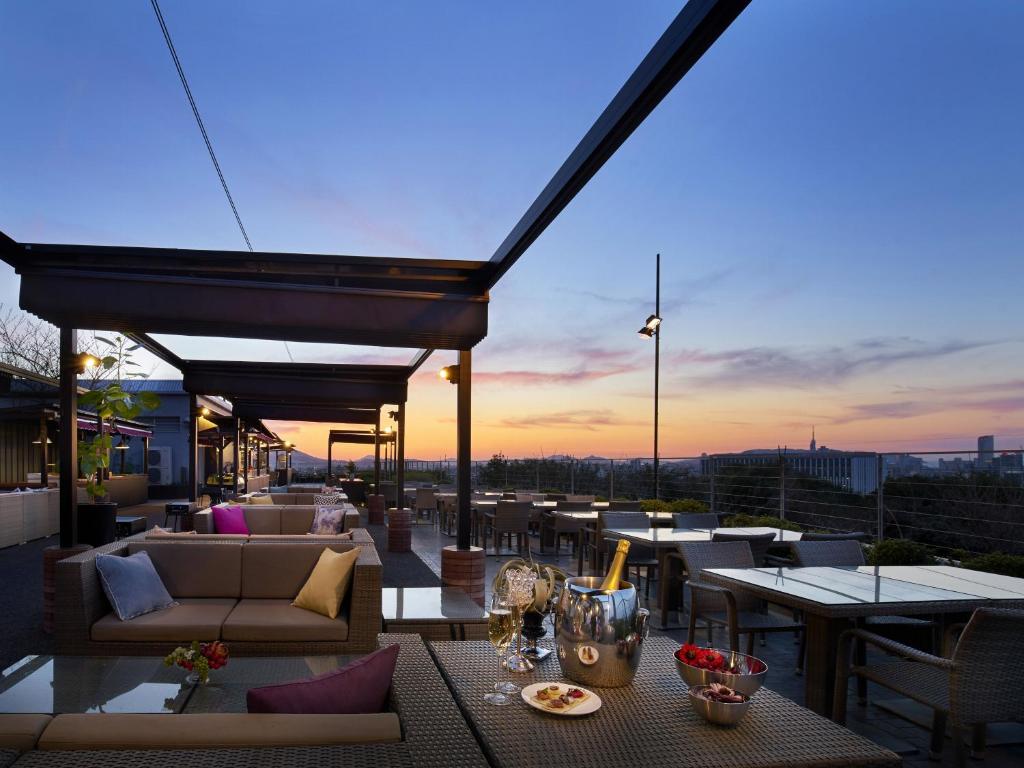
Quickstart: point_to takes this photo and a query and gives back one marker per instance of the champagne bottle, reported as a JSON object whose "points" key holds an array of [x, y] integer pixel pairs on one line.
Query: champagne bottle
{"points": [[618, 566]]}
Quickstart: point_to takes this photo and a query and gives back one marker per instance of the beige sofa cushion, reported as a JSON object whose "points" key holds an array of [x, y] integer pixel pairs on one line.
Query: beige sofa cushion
{"points": [[279, 621], [219, 729], [263, 519], [279, 570], [283, 498], [21, 732], [196, 568], [192, 619], [295, 521]]}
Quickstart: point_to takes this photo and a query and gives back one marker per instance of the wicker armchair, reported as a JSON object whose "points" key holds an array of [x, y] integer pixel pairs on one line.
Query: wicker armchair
{"points": [[511, 518], [553, 528], [426, 504], [695, 520], [960, 690], [740, 613]]}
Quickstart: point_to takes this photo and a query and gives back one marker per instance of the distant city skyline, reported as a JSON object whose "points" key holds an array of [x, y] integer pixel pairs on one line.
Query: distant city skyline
{"points": [[836, 200]]}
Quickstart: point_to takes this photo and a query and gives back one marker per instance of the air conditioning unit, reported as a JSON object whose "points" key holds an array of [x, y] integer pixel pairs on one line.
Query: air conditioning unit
{"points": [[160, 469]]}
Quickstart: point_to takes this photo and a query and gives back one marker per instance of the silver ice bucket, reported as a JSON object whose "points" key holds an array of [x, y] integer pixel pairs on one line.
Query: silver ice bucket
{"points": [[599, 635]]}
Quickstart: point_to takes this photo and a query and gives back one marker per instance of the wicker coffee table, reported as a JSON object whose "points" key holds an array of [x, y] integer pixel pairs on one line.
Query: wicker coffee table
{"points": [[648, 723]]}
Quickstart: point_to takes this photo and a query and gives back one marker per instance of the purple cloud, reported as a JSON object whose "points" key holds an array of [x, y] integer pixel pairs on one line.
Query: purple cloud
{"points": [[585, 420]]}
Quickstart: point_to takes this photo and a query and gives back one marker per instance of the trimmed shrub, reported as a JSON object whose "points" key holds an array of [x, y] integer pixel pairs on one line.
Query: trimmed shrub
{"points": [[760, 521], [900, 552], [996, 562], [687, 506]]}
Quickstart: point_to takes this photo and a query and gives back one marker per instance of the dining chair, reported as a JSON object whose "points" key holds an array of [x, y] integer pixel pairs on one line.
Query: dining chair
{"points": [[573, 506], [740, 613], [623, 505], [695, 520], [426, 504], [759, 543], [980, 683], [555, 527], [511, 518]]}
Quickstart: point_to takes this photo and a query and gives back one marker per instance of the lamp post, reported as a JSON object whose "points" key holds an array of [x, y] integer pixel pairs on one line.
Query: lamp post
{"points": [[652, 330]]}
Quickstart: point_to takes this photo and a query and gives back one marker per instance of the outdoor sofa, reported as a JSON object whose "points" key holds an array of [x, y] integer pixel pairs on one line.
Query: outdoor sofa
{"points": [[275, 519], [423, 727], [237, 590]]}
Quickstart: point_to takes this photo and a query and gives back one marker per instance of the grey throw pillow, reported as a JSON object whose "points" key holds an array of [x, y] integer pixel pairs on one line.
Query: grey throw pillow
{"points": [[328, 520], [132, 585]]}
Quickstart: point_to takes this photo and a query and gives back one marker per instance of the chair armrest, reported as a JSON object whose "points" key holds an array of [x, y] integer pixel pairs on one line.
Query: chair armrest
{"points": [[950, 638], [365, 608], [81, 601], [676, 557], [892, 646], [202, 521]]}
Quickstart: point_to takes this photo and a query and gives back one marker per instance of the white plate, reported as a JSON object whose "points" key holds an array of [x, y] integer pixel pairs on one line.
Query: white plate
{"points": [[592, 704]]}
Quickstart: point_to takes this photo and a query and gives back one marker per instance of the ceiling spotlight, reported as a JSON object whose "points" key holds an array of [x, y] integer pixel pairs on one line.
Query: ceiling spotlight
{"points": [[204, 411], [287, 444], [652, 322], [387, 430], [450, 373]]}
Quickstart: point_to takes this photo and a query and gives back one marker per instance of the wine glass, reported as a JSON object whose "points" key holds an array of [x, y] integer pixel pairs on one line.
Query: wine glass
{"points": [[499, 632], [521, 597]]}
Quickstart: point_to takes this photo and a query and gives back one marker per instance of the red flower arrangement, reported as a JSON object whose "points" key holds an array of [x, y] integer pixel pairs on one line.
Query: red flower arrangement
{"points": [[199, 658], [709, 658]]}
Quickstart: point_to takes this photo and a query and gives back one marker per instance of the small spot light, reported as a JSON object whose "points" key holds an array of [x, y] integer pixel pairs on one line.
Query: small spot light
{"points": [[652, 322], [204, 411], [450, 373], [387, 430], [83, 361], [287, 444], [646, 332]]}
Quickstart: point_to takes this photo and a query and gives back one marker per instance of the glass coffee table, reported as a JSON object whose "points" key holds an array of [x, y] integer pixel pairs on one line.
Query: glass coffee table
{"points": [[56, 685], [433, 613]]}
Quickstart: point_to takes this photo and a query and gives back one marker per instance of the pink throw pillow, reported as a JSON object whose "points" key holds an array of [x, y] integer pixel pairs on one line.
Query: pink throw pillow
{"points": [[359, 688], [230, 519]]}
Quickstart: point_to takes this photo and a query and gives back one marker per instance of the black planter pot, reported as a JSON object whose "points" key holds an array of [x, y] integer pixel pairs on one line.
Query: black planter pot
{"points": [[96, 523]]}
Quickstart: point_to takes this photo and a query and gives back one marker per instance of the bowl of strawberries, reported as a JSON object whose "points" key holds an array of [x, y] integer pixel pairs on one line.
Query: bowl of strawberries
{"points": [[737, 671]]}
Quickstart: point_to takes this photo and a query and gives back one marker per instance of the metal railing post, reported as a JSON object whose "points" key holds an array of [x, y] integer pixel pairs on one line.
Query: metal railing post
{"points": [[711, 463], [572, 476], [880, 495], [782, 487], [611, 479]]}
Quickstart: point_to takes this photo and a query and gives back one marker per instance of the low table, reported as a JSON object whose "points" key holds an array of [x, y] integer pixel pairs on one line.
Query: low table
{"points": [[128, 525], [53, 685], [433, 613], [648, 723]]}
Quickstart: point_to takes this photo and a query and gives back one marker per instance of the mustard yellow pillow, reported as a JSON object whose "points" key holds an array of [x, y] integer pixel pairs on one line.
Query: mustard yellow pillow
{"points": [[260, 500], [327, 585]]}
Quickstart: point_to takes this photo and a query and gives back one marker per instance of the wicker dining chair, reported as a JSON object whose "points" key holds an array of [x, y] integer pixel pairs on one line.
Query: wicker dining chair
{"points": [[981, 682], [426, 504], [695, 520], [759, 543], [511, 518], [623, 505], [741, 613], [573, 506]]}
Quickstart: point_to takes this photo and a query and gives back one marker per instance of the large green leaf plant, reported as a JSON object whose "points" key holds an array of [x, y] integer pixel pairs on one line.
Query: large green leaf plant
{"points": [[111, 402]]}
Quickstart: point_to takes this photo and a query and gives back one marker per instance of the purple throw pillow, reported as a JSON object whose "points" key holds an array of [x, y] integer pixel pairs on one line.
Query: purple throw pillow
{"points": [[230, 519], [359, 688]]}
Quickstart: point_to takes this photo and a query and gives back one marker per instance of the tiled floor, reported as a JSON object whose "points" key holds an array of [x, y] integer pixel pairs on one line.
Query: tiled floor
{"points": [[780, 653]]}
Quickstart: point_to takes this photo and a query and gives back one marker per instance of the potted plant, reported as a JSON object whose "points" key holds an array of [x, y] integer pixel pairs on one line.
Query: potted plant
{"points": [[110, 402]]}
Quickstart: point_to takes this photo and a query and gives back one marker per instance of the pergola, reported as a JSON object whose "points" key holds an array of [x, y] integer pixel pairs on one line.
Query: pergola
{"points": [[428, 303]]}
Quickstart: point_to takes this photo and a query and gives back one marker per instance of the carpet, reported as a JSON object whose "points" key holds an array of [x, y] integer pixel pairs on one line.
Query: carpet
{"points": [[21, 602], [401, 569]]}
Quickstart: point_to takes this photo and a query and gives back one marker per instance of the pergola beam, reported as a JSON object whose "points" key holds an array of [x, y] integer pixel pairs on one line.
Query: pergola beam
{"points": [[698, 25]]}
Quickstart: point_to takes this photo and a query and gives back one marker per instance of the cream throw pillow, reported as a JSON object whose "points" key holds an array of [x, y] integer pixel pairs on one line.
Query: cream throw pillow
{"points": [[327, 585], [260, 500]]}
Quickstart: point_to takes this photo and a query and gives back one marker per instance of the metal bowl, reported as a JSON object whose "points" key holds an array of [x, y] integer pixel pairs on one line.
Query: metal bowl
{"points": [[717, 712], [742, 681]]}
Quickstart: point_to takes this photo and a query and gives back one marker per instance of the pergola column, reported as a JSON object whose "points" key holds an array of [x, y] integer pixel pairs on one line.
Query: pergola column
{"points": [[44, 454], [463, 566], [330, 445], [400, 459], [193, 448], [68, 438]]}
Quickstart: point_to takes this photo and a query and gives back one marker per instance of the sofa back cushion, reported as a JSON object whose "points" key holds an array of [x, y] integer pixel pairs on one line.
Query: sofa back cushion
{"points": [[296, 520], [263, 519], [132, 585], [308, 499], [358, 688], [196, 568], [283, 498], [279, 570]]}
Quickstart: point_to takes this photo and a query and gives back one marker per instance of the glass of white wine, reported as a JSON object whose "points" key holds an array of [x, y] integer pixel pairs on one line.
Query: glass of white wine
{"points": [[500, 629]]}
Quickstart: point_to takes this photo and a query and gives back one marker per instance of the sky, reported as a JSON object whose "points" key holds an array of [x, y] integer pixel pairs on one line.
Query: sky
{"points": [[835, 190]]}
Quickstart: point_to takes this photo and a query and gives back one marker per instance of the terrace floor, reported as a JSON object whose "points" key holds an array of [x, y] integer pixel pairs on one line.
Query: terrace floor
{"points": [[22, 616]]}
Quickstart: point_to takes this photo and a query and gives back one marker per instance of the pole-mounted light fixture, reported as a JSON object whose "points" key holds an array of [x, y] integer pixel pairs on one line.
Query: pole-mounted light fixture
{"points": [[83, 361], [450, 373], [650, 327]]}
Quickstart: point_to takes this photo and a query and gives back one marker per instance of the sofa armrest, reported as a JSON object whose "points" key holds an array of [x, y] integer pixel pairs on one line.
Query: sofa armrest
{"points": [[202, 521], [80, 598], [364, 620]]}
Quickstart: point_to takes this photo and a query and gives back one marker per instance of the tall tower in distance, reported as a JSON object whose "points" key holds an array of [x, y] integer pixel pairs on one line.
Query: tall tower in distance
{"points": [[814, 443], [986, 450]]}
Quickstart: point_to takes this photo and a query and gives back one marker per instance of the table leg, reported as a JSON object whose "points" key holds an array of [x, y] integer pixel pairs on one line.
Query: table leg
{"points": [[663, 590], [822, 646]]}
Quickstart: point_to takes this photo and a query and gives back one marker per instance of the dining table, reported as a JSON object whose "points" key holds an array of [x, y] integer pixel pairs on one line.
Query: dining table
{"points": [[832, 599], [664, 540]]}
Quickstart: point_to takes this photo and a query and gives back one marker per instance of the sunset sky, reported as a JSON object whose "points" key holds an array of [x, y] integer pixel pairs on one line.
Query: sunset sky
{"points": [[835, 189]]}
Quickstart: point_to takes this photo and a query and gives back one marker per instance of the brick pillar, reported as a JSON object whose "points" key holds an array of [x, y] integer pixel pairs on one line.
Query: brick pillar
{"points": [[464, 569], [51, 556], [399, 530], [375, 509]]}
